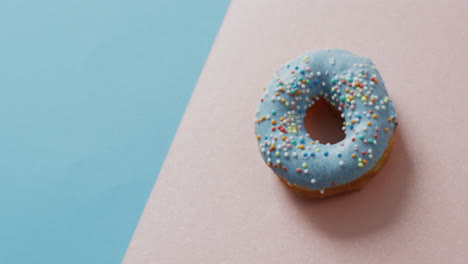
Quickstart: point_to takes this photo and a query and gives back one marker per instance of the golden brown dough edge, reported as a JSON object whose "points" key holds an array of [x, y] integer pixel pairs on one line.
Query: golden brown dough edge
{"points": [[350, 186]]}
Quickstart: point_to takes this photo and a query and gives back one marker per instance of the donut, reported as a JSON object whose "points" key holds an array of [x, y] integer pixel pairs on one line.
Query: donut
{"points": [[350, 84]]}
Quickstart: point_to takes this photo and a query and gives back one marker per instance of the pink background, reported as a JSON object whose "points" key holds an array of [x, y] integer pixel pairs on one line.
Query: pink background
{"points": [[216, 202]]}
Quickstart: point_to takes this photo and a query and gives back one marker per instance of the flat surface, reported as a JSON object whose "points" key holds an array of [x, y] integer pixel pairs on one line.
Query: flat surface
{"points": [[91, 94], [216, 202]]}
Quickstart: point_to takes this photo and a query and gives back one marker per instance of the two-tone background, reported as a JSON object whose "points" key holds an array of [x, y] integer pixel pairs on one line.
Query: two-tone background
{"points": [[91, 94]]}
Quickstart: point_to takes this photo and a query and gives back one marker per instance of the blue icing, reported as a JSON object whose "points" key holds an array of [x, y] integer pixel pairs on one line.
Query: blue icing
{"points": [[294, 88]]}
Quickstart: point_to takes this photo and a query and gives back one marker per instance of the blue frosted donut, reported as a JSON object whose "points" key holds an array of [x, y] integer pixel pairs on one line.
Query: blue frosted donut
{"points": [[354, 87]]}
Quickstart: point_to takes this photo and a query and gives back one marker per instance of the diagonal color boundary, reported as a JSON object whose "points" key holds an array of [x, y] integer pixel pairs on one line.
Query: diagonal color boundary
{"points": [[91, 94]]}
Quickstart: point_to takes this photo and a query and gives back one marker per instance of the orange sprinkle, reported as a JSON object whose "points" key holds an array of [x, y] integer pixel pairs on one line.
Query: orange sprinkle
{"points": [[369, 123], [364, 161], [375, 116], [261, 119], [273, 122], [353, 155], [390, 119], [386, 129]]}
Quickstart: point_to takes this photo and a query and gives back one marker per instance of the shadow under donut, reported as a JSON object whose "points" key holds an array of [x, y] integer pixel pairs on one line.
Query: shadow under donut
{"points": [[375, 207]]}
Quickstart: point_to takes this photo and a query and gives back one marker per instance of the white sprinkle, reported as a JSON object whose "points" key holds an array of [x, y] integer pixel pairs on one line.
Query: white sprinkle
{"points": [[322, 191], [294, 154], [313, 181], [341, 163], [306, 171], [286, 154], [278, 161]]}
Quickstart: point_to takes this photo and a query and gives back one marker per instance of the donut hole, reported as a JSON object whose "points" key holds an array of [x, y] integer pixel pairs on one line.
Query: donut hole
{"points": [[324, 123]]}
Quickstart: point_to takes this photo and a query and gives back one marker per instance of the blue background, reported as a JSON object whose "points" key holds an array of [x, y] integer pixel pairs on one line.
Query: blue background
{"points": [[91, 94]]}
